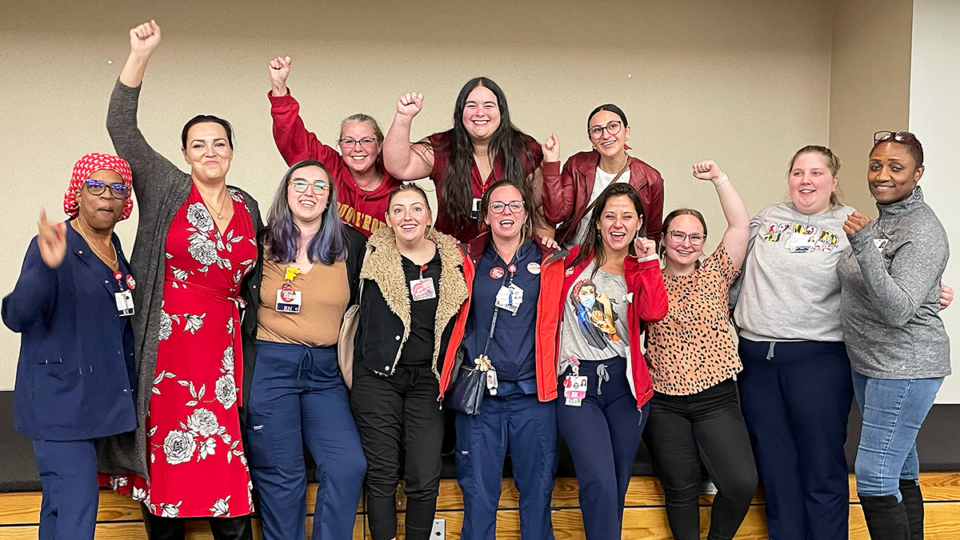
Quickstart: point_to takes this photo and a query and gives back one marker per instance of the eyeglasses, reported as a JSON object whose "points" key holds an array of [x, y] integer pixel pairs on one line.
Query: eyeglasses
{"points": [[498, 207], [118, 191], [348, 144], [679, 237], [898, 136], [300, 185], [612, 128]]}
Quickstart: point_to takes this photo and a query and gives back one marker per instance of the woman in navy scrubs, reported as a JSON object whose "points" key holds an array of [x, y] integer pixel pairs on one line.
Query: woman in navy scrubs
{"points": [[72, 307], [513, 322]]}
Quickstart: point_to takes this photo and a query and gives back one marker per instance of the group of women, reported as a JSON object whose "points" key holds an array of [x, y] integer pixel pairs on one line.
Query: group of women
{"points": [[531, 284]]}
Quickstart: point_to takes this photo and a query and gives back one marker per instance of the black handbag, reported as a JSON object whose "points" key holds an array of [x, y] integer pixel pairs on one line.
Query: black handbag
{"points": [[467, 389]]}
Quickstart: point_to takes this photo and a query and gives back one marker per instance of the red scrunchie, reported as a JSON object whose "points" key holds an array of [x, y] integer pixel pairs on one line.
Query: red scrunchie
{"points": [[88, 165]]}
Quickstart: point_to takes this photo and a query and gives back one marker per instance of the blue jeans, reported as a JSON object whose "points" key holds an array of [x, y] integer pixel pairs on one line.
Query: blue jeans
{"points": [[893, 410]]}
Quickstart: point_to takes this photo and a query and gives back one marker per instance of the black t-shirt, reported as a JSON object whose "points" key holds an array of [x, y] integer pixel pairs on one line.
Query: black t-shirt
{"points": [[418, 350]]}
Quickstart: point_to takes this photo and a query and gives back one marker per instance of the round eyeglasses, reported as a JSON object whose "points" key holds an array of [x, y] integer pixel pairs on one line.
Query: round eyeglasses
{"points": [[612, 128], [300, 185]]}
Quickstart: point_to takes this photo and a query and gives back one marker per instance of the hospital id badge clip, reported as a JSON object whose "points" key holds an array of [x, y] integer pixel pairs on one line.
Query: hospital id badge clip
{"points": [[422, 289], [574, 390], [288, 300], [124, 300], [509, 297]]}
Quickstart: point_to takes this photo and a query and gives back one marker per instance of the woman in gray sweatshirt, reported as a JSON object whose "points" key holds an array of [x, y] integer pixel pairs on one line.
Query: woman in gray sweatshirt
{"points": [[896, 342]]}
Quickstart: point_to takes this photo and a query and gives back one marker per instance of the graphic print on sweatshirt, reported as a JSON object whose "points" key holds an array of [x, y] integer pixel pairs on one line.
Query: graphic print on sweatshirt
{"points": [[800, 238]]}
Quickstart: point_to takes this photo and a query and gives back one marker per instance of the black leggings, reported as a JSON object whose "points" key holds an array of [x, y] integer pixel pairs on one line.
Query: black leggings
{"points": [[223, 528], [399, 415], [708, 428]]}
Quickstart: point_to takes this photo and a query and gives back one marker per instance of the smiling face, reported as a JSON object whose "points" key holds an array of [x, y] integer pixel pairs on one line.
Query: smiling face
{"points": [[408, 215], [811, 183], [208, 152], [607, 144], [101, 212], [682, 254], [893, 173], [619, 223], [508, 225], [481, 114], [308, 207], [363, 154]]}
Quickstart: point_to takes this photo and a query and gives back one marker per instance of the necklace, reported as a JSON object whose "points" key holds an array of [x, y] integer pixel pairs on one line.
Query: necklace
{"points": [[372, 186], [210, 207], [89, 243]]}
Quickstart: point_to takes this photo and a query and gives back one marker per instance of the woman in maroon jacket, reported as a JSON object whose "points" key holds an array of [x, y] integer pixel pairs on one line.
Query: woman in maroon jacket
{"points": [[363, 186], [568, 197], [482, 147], [613, 284]]}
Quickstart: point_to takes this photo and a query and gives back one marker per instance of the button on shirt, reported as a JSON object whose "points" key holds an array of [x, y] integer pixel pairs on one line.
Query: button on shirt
{"points": [[512, 348]]}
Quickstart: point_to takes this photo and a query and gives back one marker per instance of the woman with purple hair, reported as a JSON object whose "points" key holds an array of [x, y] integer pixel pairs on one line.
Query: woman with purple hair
{"points": [[308, 276]]}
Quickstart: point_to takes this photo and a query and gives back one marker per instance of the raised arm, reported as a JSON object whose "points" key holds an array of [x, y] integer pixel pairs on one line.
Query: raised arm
{"points": [[401, 159], [128, 141], [557, 185], [33, 299], [645, 281], [737, 235], [293, 140]]}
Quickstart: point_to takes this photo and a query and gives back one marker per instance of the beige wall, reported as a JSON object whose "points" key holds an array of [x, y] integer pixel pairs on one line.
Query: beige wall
{"points": [[745, 83], [869, 85]]}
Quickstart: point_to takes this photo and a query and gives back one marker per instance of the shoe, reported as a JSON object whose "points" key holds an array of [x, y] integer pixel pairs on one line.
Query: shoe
{"points": [[913, 502], [886, 518]]}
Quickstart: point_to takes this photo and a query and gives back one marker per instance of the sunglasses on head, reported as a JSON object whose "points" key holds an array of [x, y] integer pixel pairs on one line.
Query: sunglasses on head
{"points": [[897, 136]]}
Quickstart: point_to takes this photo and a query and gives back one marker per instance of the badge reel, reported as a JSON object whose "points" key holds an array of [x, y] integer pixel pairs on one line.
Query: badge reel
{"points": [[509, 297], [423, 288], [574, 386], [288, 300], [124, 298]]}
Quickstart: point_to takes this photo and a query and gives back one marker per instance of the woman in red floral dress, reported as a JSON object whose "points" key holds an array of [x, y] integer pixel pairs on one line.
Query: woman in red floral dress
{"points": [[196, 241]]}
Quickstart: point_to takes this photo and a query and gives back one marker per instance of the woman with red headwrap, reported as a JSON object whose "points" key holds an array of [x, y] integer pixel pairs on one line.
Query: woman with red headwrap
{"points": [[75, 377]]}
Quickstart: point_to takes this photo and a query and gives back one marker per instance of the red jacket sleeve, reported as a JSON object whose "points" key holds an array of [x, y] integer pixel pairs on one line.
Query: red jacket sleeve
{"points": [[293, 140], [645, 282], [557, 191], [655, 210]]}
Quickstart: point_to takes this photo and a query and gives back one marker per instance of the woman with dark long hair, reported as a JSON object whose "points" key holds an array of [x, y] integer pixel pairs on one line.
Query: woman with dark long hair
{"points": [[483, 146], [604, 383], [297, 396], [570, 195]]}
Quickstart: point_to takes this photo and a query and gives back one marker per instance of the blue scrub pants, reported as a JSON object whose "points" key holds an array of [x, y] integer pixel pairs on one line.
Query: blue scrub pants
{"points": [[298, 397], [529, 428], [603, 436], [795, 398], [68, 474]]}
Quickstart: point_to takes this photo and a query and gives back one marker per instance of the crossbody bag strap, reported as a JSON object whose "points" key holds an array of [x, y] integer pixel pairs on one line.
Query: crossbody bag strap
{"points": [[626, 166]]}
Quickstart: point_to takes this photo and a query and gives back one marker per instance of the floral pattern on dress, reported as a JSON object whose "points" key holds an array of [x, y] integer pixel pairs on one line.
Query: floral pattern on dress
{"points": [[196, 459]]}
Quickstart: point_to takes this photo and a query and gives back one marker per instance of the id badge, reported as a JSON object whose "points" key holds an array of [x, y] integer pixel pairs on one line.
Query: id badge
{"points": [[574, 390], [803, 240], [422, 289], [475, 210], [124, 300], [509, 298], [492, 382], [288, 300]]}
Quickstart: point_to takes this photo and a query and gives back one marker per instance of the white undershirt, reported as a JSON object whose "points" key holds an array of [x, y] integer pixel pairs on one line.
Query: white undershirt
{"points": [[600, 183]]}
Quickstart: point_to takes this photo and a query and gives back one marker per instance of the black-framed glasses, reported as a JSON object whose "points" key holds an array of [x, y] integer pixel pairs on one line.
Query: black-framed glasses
{"points": [[348, 144], [300, 185], [117, 191], [696, 239], [498, 207], [612, 128], [898, 136]]}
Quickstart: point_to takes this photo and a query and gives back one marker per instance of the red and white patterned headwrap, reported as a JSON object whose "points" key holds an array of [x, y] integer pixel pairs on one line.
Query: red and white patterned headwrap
{"points": [[88, 165]]}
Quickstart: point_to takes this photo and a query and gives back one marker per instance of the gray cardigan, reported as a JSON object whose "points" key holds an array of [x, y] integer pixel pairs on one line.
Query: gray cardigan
{"points": [[889, 300], [161, 190]]}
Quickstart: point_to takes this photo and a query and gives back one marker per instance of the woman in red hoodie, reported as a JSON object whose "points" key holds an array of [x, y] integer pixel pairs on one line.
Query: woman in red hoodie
{"points": [[363, 185], [613, 285]]}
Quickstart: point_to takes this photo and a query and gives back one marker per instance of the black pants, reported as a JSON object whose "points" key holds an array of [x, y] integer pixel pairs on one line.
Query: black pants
{"points": [[706, 427], [399, 414], [161, 528]]}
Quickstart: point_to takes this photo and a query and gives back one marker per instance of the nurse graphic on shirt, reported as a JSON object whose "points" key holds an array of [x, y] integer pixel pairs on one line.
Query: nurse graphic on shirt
{"points": [[595, 317]]}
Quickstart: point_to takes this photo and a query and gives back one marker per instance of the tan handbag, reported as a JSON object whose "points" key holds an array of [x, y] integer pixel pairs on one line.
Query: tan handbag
{"points": [[348, 330]]}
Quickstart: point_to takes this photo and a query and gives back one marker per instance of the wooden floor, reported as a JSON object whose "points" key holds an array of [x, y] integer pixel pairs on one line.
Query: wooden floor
{"points": [[644, 517]]}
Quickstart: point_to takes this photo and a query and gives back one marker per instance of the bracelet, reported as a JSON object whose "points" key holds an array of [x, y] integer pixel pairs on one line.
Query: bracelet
{"points": [[720, 180]]}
